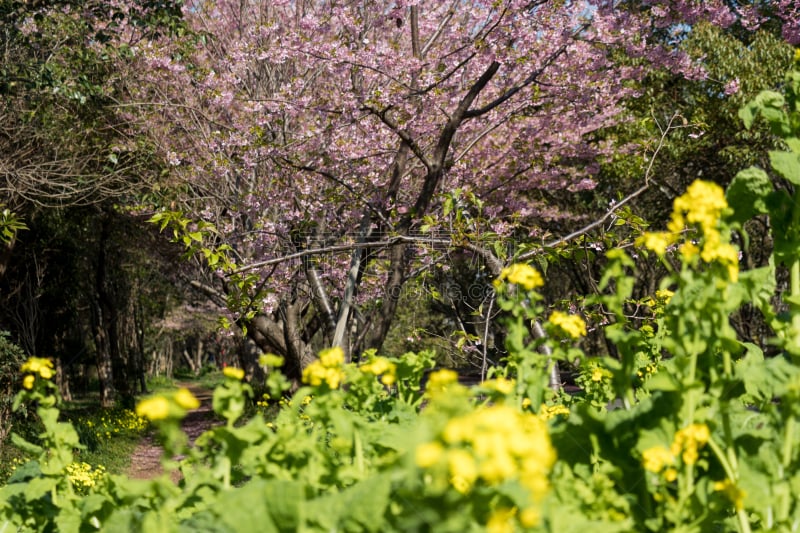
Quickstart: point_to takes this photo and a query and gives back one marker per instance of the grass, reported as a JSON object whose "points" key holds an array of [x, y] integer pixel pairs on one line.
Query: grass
{"points": [[109, 435], [158, 384], [210, 380]]}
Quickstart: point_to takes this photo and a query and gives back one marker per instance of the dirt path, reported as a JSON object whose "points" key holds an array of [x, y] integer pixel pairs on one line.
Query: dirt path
{"points": [[146, 459]]}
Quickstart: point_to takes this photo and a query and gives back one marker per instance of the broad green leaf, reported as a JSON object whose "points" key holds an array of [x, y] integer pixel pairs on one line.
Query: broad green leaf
{"points": [[249, 508], [361, 507], [748, 192], [787, 164], [794, 144]]}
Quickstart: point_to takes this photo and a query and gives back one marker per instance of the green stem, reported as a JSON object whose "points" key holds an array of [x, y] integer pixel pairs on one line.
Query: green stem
{"points": [[788, 441], [730, 448], [692, 395], [744, 522], [727, 366], [731, 472], [359, 451]]}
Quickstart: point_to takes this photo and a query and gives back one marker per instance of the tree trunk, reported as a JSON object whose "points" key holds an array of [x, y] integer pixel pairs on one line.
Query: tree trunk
{"points": [[105, 334], [105, 373]]}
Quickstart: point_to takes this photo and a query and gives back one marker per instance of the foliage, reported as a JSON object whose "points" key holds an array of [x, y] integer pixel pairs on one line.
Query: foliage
{"points": [[10, 224], [11, 358]]}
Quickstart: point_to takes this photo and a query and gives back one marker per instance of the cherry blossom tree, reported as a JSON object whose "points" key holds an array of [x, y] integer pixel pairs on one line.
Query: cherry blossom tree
{"points": [[333, 144]]}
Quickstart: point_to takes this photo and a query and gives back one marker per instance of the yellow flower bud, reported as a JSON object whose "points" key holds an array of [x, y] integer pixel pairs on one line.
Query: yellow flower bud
{"points": [[155, 408], [186, 399], [233, 372]]}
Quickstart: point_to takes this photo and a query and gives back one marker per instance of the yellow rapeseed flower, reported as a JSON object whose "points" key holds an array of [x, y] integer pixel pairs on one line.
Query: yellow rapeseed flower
{"points": [[689, 251], [657, 241], [548, 412], [331, 357], [654, 459], [501, 385], [38, 365], [523, 275], [463, 470], [327, 369], [732, 491], [572, 325], [270, 359], [381, 366], [441, 380], [703, 204], [154, 408], [493, 445], [664, 295], [689, 440], [428, 454], [186, 399], [233, 372], [502, 521], [530, 517], [27, 381]]}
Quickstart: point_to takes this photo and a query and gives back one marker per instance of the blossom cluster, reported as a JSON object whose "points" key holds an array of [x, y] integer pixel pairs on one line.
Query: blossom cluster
{"points": [[111, 424], [491, 445], [84, 477], [571, 325], [442, 381], [328, 369], [36, 366], [521, 274], [685, 444], [701, 207], [547, 412], [233, 373], [381, 366], [163, 406]]}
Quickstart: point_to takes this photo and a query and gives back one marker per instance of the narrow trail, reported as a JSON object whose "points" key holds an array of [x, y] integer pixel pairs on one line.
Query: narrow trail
{"points": [[146, 459]]}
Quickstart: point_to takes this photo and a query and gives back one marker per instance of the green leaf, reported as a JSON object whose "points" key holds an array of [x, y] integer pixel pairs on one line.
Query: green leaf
{"points": [[39, 486], [360, 507], [794, 144], [249, 507], [787, 164], [286, 499], [748, 192], [26, 446], [26, 472]]}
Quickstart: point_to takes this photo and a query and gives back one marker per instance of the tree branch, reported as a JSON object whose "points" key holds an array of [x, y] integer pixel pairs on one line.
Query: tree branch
{"points": [[527, 81]]}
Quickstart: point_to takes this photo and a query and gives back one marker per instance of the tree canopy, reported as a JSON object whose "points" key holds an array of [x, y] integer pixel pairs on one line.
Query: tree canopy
{"points": [[317, 158]]}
